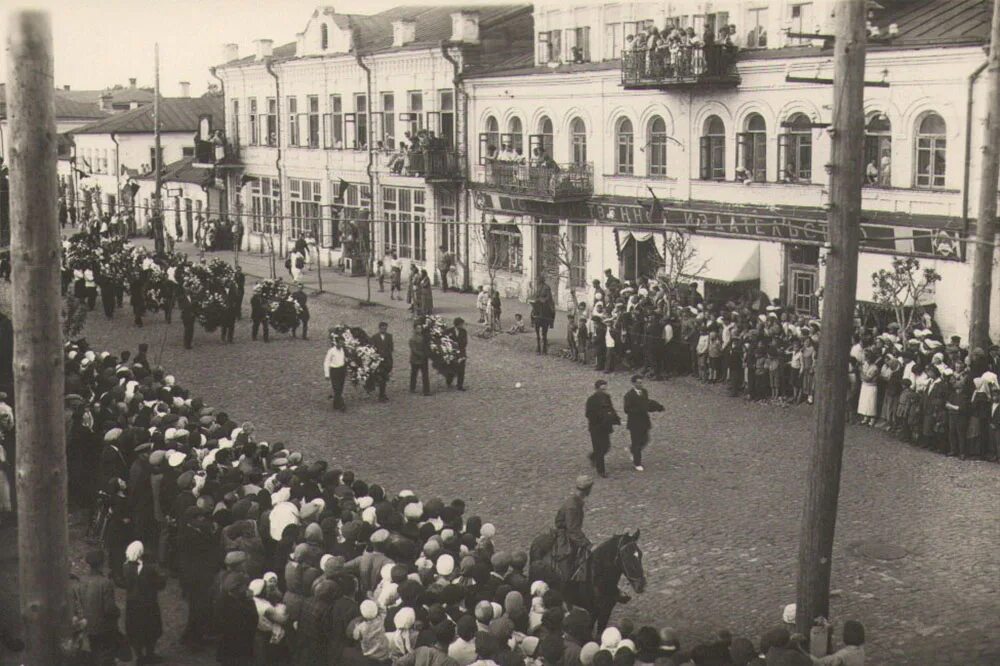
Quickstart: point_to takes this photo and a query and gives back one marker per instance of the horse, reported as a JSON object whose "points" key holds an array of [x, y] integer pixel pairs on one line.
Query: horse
{"points": [[543, 317], [598, 593]]}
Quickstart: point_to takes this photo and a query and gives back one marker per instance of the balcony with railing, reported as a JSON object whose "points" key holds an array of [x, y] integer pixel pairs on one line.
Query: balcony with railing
{"points": [[550, 182], [680, 67], [431, 165]]}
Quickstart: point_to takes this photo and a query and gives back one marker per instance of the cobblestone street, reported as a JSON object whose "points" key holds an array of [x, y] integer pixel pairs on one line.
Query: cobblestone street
{"points": [[718, 504]]}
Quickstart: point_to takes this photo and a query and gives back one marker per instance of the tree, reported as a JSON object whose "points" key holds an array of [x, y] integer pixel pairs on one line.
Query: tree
{"points": [[491, 259], [560, 254], [903, 288], [682, 261]]}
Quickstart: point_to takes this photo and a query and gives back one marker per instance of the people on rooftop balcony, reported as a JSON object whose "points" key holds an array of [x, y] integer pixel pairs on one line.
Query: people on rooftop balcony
{"points": [[677, 52]]}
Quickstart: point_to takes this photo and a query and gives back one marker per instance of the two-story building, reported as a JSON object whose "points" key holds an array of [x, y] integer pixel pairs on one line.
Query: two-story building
{"points": [[362, 117], [114, 159], [728, 141]]}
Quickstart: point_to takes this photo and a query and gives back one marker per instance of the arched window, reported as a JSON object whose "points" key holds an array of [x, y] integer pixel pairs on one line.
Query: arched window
{"points": [[514, 138], [795, 150], [543, 140], [751, 149], [878, 150], [931, 148], [713, 149], [656, 154], [489, 140], [625, 143], [324, 36], [578, 141]]}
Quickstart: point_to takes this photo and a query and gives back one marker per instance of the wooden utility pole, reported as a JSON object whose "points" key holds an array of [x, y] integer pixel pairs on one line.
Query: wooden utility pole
{"points": [[989, 173], [819, 515], [158, 223], [43, 539]]}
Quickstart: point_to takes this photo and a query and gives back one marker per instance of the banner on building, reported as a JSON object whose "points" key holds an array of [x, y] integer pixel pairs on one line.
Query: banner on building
{"points": [[934, 237]]}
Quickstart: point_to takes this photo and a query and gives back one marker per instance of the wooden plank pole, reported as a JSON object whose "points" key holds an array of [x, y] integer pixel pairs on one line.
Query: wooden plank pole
{"points": [[989, 173], [38, 344], [819, 515]]}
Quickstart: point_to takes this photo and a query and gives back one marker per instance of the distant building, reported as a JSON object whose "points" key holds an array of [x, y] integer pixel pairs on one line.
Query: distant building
{"points": [[118, 151], [69, 114]]}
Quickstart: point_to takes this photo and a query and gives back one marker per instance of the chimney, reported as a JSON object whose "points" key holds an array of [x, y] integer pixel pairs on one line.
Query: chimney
{"points": [[106, 101], [404, 31], [230, 52], [264, 48], [185, 88], [300, 43], [131, 84], [465, 27], [65, 87]]}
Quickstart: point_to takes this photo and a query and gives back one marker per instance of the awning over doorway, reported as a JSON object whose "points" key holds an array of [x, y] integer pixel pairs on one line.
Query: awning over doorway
{"points": [[730, 262]]}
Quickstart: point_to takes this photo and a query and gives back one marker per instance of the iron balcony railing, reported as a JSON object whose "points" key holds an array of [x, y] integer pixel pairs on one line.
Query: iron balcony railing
{"points": [[552, 181], [427, 164], [680, 65]]}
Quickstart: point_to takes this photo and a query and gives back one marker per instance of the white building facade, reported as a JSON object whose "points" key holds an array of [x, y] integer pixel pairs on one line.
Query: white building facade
{"points": [[319, 123], [735, 152]]}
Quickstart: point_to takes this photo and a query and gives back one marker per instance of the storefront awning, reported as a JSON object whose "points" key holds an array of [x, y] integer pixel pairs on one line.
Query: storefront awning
{"points": [[733, 262]]}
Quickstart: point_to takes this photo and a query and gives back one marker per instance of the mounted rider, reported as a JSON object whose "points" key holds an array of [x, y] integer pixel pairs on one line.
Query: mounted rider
{"points": [[571, 549]]}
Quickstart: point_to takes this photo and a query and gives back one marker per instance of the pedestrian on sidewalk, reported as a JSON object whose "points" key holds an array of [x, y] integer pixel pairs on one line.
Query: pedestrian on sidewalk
{"points": [[412, 287], [335, 370], [426, 295], [482, 303], [395, 277], [419, 357], [445, 261]]}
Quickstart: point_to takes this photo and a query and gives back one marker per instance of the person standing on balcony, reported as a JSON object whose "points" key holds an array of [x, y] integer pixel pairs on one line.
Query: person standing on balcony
{"points": [[445, 261]]}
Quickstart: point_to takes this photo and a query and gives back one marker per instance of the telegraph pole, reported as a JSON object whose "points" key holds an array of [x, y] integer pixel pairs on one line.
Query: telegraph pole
{"points": [[43, 540], [989, 171], [158, 230], [819, 515]]}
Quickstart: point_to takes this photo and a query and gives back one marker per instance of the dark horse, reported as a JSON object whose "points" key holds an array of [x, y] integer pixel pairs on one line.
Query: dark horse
{"points": [[608, 562], [543, 317]]}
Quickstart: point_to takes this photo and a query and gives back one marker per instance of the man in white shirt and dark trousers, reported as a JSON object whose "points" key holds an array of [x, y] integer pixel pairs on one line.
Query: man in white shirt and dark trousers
{"points": [[335, 369]]}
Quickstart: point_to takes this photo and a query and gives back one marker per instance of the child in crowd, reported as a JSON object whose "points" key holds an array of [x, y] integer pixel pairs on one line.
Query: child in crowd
{"points": [[582, 332], [907, 417], [714, 357], [795, 371], [518, 326], [702, 350], [482, 303], [571, 335], [774, 371]]}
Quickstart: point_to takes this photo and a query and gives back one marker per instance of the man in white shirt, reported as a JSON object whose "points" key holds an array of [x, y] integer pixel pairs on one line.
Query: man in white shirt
{"points": [[335, 369]]}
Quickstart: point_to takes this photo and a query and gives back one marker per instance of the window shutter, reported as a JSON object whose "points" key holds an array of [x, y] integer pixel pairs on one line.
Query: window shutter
{"points": [[784, 141], [375, 131], [760, 158], [303, 127], [706, 158], [484, 142], [742, 145], [349, 137], [327, 130]]}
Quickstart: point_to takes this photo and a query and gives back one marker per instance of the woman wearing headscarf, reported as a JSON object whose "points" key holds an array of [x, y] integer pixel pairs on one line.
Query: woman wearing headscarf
{"points": [[426, 296], [143, 626]]}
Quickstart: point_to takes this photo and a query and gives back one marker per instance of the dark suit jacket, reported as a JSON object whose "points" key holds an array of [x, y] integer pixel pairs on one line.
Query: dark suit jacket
{"points": [[419, 350], [461, 337], [637, 409], [385, 347], [601, 414]]}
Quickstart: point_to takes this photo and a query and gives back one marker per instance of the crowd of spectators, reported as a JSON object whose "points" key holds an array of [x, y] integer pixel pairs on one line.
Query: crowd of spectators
{"points": [[678, 52], [935, 394], [284, 560]]}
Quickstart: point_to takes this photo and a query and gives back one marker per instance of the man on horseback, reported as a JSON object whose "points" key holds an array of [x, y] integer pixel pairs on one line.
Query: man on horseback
{"points": [[572, 547]]}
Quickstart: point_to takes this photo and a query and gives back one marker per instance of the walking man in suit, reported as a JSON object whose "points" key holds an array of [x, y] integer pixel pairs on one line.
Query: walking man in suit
{"points": [[461, 338], [601, 419], [637, 409], [419, 356], [384, 345], [335, 370], [258, 315]]}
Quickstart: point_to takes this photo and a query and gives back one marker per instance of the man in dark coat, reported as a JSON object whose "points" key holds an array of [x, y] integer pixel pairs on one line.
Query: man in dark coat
{"points": [[300, 297], [571, 544], [258, 315], [241, 285], [140, 502], [236, 617], [637, 409], [461, 338], [137, 295], [107, 288], [601, 419], [233, 299], [419, 357], [96, 595], [187, 318], [384, 345]]}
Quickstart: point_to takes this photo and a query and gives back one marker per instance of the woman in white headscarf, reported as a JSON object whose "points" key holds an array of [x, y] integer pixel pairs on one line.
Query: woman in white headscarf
{"points": [[143, 625]]}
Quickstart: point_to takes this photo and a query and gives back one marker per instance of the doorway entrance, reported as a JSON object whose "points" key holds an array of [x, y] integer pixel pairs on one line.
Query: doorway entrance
{"points": [[639, 257], [803, 279]]}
